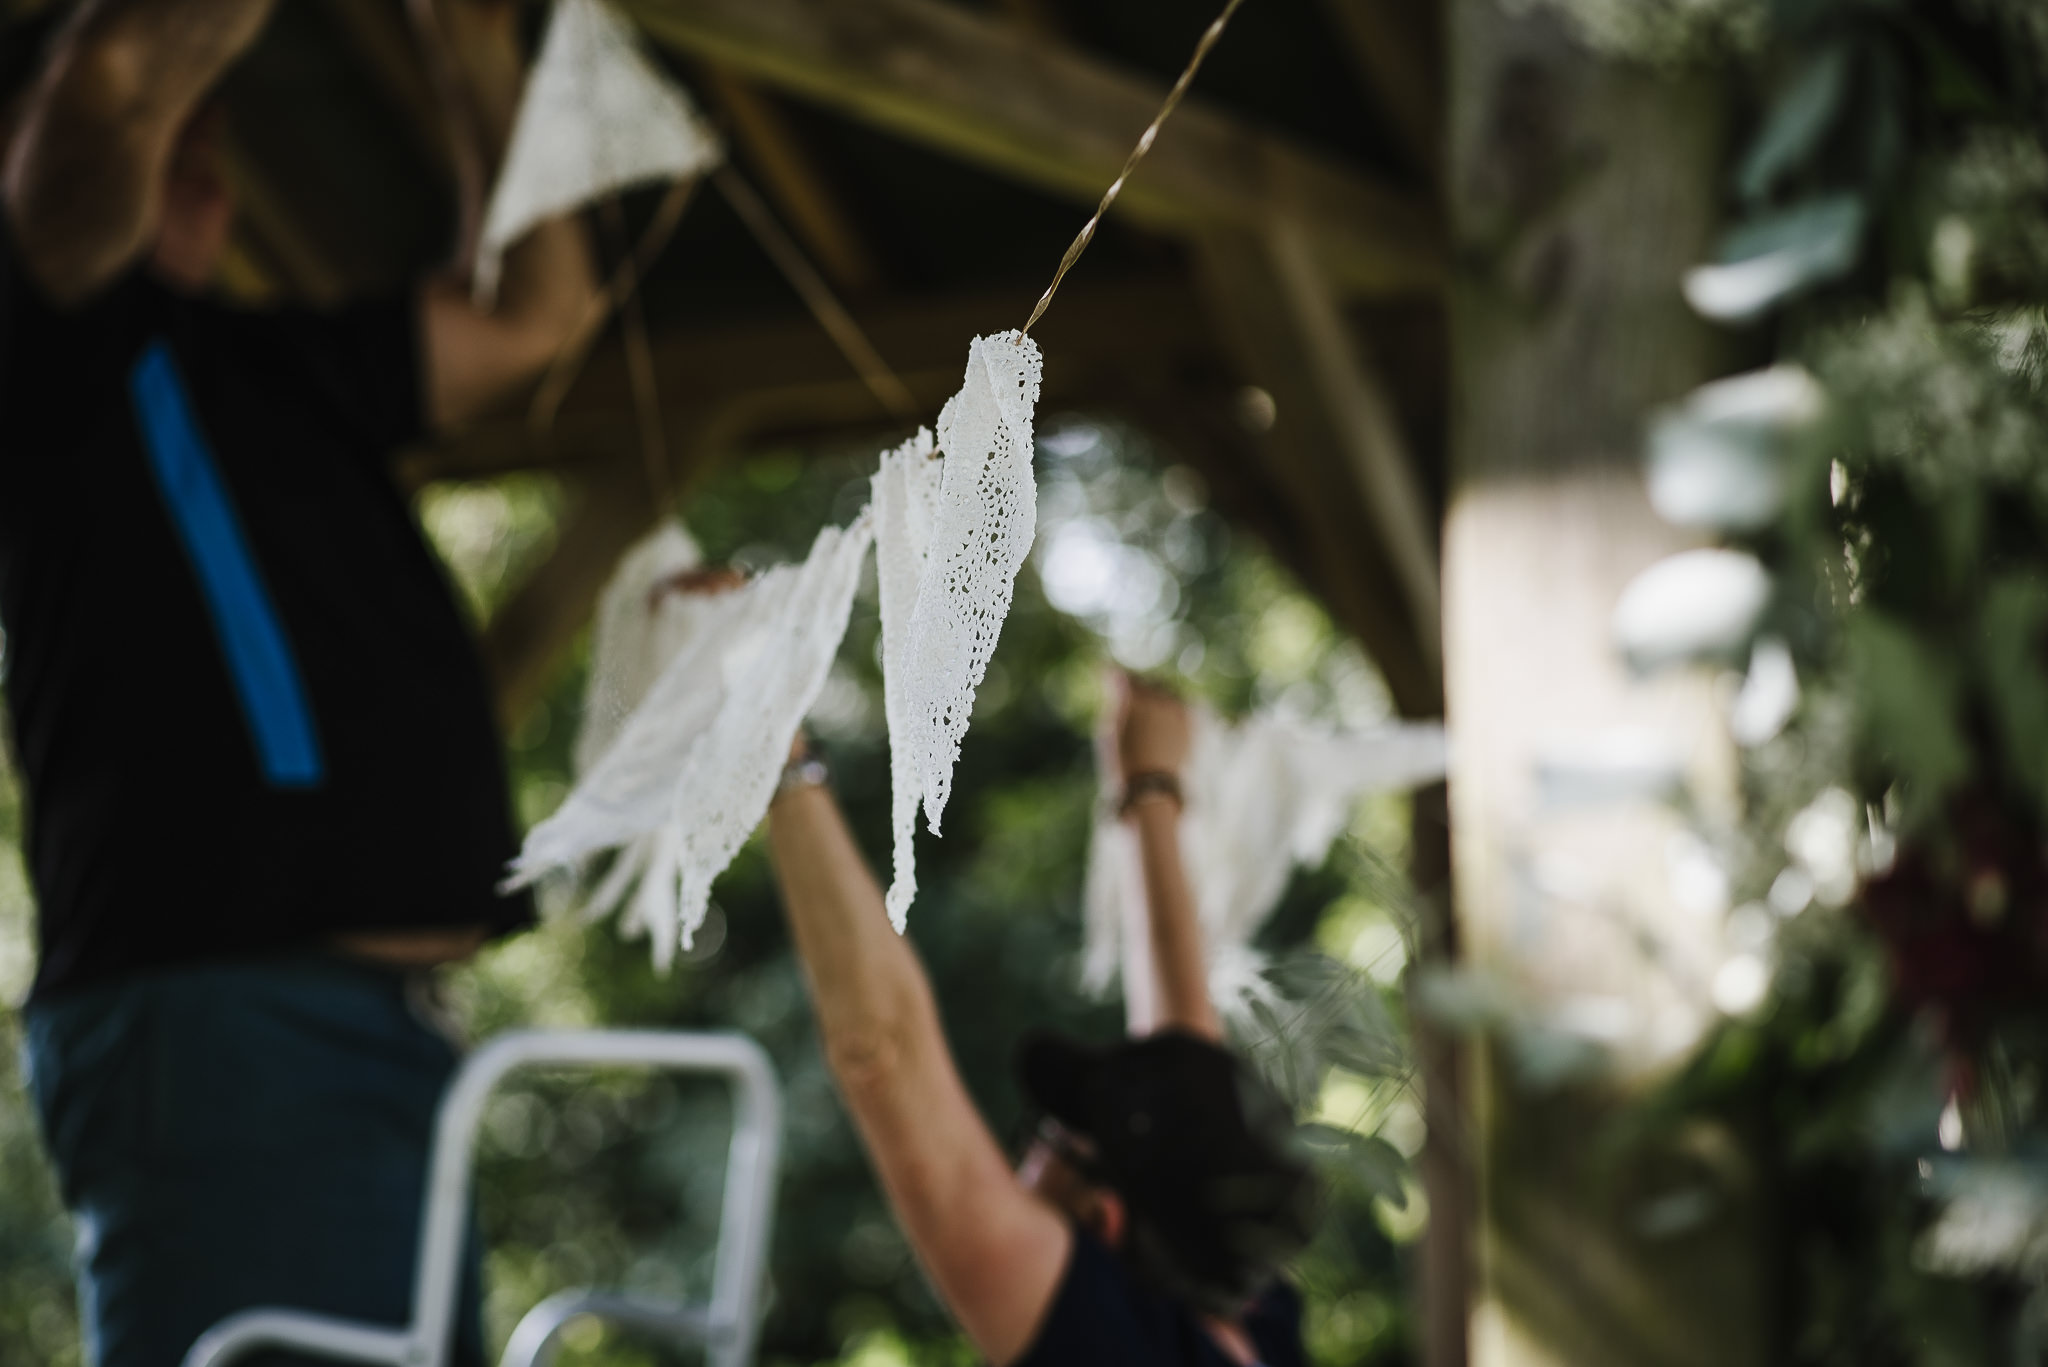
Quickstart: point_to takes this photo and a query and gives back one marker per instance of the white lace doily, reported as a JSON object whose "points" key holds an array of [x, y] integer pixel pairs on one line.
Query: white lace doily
{"points": [[982, 526], [598, 115]]}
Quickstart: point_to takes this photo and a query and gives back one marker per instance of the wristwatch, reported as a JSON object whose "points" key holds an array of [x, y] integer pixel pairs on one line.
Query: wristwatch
{"points": [[806, 772], [1150, 783]]}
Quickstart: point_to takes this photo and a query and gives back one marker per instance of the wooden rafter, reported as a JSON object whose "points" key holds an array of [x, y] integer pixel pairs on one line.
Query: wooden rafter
{"points": [[990, 93], [785, 379], [792, 178]]}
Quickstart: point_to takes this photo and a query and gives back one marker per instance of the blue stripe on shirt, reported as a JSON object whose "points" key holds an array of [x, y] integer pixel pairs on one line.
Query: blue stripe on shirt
{"points": [[259, 657]]}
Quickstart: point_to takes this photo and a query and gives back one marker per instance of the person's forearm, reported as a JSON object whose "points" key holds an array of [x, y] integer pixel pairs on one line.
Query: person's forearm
{"points": [[161, 55], [85, 169], [993, 1251], [1179, 963], [873, 1001]]}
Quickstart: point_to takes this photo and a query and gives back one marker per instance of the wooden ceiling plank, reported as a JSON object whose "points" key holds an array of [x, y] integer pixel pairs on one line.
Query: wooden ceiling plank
{"points": [[786, 376], [991, 93]]}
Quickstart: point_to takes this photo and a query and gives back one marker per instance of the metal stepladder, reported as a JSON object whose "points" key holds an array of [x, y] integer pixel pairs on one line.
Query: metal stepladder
{"points": [[725, 1328]]}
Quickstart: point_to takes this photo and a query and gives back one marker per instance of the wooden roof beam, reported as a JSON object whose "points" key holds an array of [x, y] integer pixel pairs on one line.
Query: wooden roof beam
{"points": [[988, 92], [793, 180], [741, 383]]}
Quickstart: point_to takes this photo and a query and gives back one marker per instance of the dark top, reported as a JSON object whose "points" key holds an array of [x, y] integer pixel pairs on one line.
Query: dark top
{"points": [[248, 710], [1104, 1314]]}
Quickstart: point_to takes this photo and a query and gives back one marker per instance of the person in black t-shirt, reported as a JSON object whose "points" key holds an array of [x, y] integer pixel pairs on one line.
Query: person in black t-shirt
{"points": [[265, 789], [1148, 1219]]}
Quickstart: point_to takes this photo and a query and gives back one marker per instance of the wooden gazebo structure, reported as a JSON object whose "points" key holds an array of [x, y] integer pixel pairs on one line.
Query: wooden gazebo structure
{"points": [[1267, 298], [933, 158]]}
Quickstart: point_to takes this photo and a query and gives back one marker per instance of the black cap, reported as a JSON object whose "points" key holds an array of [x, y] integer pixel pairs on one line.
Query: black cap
{"points": [[1199, 1149]]}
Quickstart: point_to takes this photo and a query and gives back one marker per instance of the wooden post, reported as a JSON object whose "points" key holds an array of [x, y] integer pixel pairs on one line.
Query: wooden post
{"points": [[1580, 191]]}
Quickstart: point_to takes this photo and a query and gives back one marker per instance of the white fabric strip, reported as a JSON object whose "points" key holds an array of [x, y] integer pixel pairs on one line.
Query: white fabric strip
{"points": [[730, 774], [637, 629], [692, 770], [906, 503]]}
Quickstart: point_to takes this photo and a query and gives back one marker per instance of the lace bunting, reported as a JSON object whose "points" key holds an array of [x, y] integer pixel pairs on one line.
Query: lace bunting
{"points": [[598, 115], [1263, 797]]}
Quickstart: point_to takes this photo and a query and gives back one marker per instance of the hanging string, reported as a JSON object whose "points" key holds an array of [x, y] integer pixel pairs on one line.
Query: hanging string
{"points": [[640, 366], [569, 358], [888, 389], [1087, 233]]}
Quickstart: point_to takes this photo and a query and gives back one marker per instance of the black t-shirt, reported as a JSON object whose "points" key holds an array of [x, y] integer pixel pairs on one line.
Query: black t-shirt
{"points": [[248, 709], [1104, 1314]]}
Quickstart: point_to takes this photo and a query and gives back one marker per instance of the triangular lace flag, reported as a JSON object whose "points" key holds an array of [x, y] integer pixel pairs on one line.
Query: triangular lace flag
{"points": [[1263, 797], [981, 530], [691, 771], [598, 115]]}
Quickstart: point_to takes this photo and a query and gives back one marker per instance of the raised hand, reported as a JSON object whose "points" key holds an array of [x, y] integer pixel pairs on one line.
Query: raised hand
{"points": [[1152, 733]]}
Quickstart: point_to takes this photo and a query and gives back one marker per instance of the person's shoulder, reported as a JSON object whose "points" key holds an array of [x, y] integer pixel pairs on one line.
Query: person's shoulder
{"points": [[1099, 1314], [1274, 1323], [27, 303]]}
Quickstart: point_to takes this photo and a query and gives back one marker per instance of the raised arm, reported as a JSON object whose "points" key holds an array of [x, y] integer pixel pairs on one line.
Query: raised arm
{"points": [[85, 171], [995, 1252], [476, 358], [1152, 738]]}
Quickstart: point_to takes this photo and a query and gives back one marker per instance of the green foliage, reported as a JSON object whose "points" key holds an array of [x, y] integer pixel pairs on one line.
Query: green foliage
{"points": [[1889, 1086]]}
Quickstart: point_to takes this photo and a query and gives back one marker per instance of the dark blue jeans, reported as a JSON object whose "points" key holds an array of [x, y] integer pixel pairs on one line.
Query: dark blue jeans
{"points": [[234, 1135]]}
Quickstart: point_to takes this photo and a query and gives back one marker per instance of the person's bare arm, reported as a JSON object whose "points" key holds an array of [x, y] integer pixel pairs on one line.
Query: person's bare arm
{"points": [[85, 171], [1152, 737], [995, 1252], [476, 358]]}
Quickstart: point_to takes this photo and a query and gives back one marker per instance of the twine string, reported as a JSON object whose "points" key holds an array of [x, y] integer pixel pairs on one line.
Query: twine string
{"points": [[887, 387], [640, 367], [625, 279], [1145, 140]]}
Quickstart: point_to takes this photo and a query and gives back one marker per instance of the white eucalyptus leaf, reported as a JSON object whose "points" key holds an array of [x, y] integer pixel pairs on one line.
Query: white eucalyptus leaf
{"points": [[1692, 606]]}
